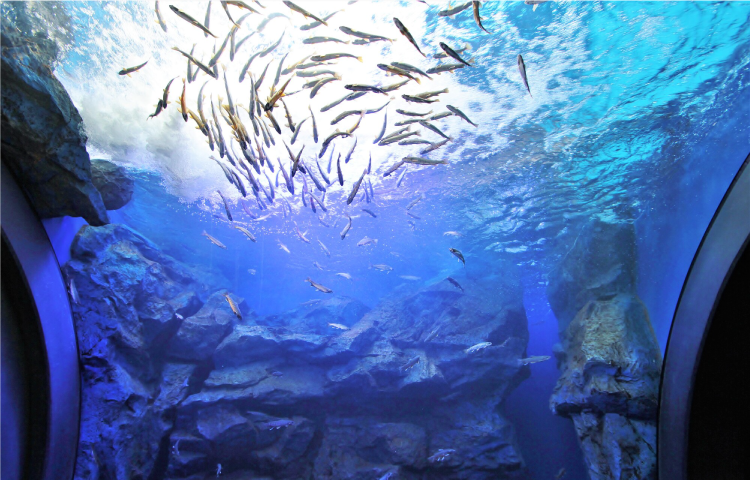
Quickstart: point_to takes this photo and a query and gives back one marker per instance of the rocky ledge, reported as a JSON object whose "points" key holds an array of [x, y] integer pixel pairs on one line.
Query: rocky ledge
{"points": [[178, 383], [43, 138], [609, 359]]}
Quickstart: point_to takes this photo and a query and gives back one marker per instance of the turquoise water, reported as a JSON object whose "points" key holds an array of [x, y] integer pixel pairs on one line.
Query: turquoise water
{"points": [[639, 115]]}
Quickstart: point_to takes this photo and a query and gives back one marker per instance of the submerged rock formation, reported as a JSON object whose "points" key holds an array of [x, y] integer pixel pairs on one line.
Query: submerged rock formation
{"points": [[113, 182], [43, 142], [609, 358], [176, 384]]}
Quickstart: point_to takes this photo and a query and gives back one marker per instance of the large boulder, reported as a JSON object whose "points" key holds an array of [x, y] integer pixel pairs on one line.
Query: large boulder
{"points": [[609, 358], [600, 263], [43, 139], [113, 183]]}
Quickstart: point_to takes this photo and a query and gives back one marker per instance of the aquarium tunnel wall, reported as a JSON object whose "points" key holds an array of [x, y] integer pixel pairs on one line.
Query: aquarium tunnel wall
{"points": [[373, 239]]}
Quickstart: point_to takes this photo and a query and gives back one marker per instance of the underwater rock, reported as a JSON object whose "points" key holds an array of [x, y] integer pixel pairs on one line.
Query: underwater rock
{"points": [[113, 183], [600, 263], [43, 138], [315, 318], [200, 334], [610, 366], [129, 295]]}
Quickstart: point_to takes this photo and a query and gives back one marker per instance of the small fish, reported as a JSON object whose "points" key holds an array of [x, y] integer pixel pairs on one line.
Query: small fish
{"points": [[197, 63], [477, 18], [314, 40], [310, 302], [345, 275], [410, 277], [441, 455], [410, 363], [246, 232], [561, 473], [214, 240], [410, 68], [353, 193], [382, 131], [318, 286], [415, 141], [397, 71], [413, 99], [325, 250], [396, 138], [300, 234], [393, 168], [478, 347], [452, 53], [278, 424], [315, 130], [441, 115], [129, 70], [452, 11], [367, 241], [330, 138], [251, 271], [74, 292], [226, 206], [338, 168], [461, 114], [433, 128], [535, 4], [271, 48], [304, 12], [382, 267], [536, 359], [346, 228], [233, 306], [283, 247], [522, 70], [432, 335], [316, 24], [365, 88], [395, 86], [181, 318], [458, 255], [276, 373], [159, 108], [333, 56], [370, 212], [455, 283], [269, 18], [365, 36], [400, 178], [424, 161], [191, 20], [447, 67], [318, 266], [412, 114], [452, 233], [159, 20], [414, 202], [338, 326], [218, 465], [405, 32], [433, 94]]}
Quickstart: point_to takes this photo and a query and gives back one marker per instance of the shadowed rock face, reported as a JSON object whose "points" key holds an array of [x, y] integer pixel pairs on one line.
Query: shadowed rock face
{"points": [[609, 359], [287, 396], [113, 182], [43, 142]]}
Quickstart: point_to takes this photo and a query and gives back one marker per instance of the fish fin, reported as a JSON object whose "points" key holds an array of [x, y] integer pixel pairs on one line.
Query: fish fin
{"points": [[360, 59]]}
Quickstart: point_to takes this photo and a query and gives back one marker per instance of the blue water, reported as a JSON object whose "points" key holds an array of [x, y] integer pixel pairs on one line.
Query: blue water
{"points": [[640, 114]]}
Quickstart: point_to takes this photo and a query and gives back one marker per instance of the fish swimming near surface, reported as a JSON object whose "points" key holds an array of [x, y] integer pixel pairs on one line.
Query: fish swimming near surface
{"points": [[441, 455], [325, 249], [339, 172], [318, 286], [452, 53], [233, 306], [283, 247], [382, 267], [159, 108], [191, 20], [452, 233], [214, 240], [226, 206], [127, 71], [159, 19], [346, 228], [367, 241], [400, 178], [165, 94], [414, 202], [448, 67], [433, 128], [432, 335], [364, 36], [452, 11], [197, 63], [370, 212], [522, 71], [458, 255], [477, 18], [455, 283], [535, 359], [411, 278], [300, 234], [345, 275], [338, 326], [405, 32], [459, 113], [74, 292], [304, 12], [318, 266], [246, 232], [353, 193], [478, 347], [410, 363], [251, 271]]}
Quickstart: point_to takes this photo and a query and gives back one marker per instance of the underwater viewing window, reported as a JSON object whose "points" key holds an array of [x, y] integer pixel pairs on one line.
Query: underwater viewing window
{"points": [[370, 239]]}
